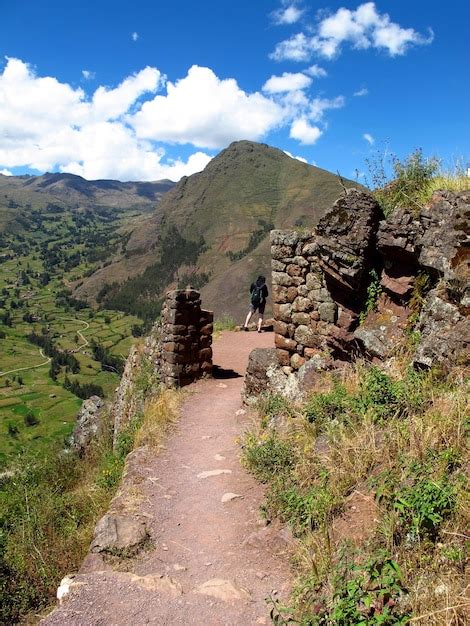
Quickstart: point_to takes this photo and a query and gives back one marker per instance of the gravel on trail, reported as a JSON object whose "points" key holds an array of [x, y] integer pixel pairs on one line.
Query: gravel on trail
{"points": [[212, 560]]}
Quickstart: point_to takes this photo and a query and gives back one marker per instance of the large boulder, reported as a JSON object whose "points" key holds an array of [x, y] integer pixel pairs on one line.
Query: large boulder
{"points": [[256, 379], [89, 424], [118, 534], [346, 239], [264, 374]]}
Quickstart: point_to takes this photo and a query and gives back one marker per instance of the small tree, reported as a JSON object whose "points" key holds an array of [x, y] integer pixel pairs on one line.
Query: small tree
{"points": [[30, 419]]}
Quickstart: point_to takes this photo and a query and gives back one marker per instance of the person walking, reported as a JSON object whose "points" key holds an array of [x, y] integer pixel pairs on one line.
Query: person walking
{"points": [[258, 295]]}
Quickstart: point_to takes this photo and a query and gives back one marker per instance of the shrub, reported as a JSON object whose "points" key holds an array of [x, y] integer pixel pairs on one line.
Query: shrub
{"points": [[408, 183], [302, 510], [366, 594], [374, 291], [13, 430], [273, 405], [30, 419], [267, 455], [424, 506], [328, 406], [379, 393]]}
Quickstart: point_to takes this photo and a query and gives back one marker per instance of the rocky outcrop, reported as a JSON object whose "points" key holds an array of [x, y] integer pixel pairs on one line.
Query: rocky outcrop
{"points": [[444, 327], [89, 424], [436, 245], [129, 399], [444, 241], [345, 239], [383, 330]]}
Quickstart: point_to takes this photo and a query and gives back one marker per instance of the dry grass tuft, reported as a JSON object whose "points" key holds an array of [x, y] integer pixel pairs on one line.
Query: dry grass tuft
{"points": [[160, 414]]}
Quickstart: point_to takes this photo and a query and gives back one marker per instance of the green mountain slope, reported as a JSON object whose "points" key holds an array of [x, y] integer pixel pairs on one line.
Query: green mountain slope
{"points": [[212, 229], [21, 196]]}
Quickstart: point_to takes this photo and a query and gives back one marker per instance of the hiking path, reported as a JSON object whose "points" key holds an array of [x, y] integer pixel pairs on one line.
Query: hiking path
{"points": [[213, 561]]}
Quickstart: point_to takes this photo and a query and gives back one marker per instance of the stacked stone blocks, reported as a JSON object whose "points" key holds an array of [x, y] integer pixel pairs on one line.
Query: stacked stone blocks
{"points": [[319, 281], [185, 340]]}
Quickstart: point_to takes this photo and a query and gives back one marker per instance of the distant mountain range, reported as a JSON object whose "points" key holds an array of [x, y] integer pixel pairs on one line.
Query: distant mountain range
{"points": [[211, 230], [20, 194]]}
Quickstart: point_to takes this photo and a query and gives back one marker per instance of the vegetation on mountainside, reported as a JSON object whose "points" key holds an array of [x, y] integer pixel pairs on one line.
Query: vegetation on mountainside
{"points": [[50, 502], [54, 349], [143, 295], [411, 181], [371, 474], [243, 192]]}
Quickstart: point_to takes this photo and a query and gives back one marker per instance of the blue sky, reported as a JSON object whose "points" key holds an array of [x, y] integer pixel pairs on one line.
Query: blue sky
{"points": [[147, 90]]}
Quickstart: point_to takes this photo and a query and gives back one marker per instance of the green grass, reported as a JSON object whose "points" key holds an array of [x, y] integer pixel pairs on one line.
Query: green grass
{"points": [[448, 181], [398, 442], [224, 322]]}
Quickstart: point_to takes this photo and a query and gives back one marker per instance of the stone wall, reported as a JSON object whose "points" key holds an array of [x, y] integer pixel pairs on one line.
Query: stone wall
{"points": [[320, 279], [186, 339]]}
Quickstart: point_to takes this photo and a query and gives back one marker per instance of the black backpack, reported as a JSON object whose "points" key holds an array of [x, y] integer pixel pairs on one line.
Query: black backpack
{"points": [[257, 294]]}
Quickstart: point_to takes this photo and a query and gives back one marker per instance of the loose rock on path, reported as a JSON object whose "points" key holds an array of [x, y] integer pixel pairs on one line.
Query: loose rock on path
{"points": [[211, 560]]}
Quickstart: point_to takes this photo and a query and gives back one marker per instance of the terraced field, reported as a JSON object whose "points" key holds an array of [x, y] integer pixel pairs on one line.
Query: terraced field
{"points": [[35, 409]]}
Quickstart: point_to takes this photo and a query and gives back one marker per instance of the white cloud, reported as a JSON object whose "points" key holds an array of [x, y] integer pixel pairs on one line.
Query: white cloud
{"points": [[118, 132], [112, 103], [304, 132], [363, 28], [206, 111], [135, 36], [287, 82], [361, 92], [316, 71], [296, 48], [297, 158], [88, 75], [368, 137], [290, 14], [318, 106], [6, 172], [48, 125]]}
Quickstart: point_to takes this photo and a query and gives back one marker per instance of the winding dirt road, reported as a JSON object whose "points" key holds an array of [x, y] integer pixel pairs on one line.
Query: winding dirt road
{"points": [[213, 561], [30, 367], [48, 359]]}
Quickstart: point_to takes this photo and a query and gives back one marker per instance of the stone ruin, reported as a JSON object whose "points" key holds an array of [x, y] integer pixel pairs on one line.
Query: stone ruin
{"points": [[178, 349], [320, 289], [183, 352], [320, 280]]}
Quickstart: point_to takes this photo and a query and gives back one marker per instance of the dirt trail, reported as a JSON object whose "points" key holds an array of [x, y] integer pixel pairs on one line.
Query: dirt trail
{"points": [[29, 367], [213, 562]]}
